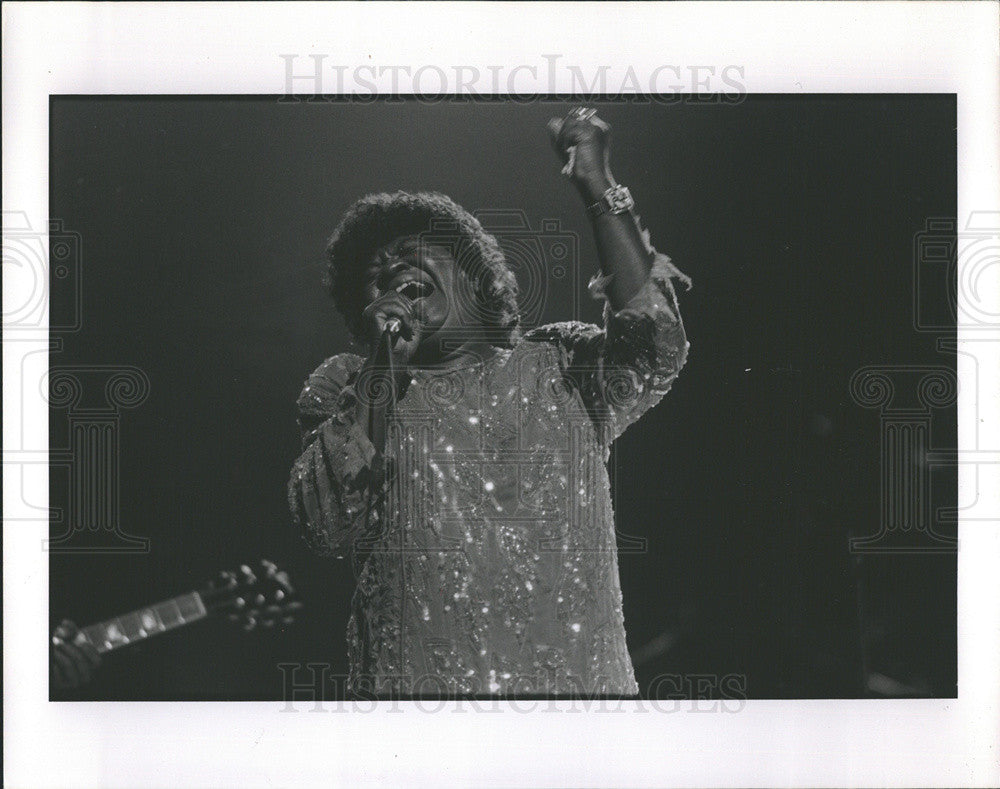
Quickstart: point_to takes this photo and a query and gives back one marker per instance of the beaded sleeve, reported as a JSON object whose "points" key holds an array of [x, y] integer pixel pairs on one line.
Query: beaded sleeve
{"points": [[625, 368], [327, 489]]}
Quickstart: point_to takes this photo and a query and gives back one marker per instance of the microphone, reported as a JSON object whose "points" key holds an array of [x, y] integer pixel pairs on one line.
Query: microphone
{"points": [[393, 326]]}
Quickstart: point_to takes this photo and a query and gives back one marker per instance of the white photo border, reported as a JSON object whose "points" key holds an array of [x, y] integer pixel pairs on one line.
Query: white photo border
{"points": [[236, 48]]}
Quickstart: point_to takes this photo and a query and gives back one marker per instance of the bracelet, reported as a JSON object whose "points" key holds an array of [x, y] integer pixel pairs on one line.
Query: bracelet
{"points": [[616, 200]]}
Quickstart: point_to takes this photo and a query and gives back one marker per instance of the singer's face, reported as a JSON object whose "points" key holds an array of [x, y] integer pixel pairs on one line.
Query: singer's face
{"points": [[440, 291]]}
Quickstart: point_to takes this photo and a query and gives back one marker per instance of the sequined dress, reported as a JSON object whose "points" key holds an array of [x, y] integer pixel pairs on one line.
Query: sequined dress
{"points": [[488, 564]]}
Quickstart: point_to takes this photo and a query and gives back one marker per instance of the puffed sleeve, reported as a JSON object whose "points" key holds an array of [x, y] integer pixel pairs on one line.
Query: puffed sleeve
{"points": [[625, 368], [328, 486]]}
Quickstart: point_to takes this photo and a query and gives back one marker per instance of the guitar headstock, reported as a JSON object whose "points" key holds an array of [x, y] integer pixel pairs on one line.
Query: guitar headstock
{"points": [[256, 597]]}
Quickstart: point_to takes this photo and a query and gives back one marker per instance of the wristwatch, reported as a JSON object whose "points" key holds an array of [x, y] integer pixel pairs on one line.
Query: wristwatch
{"points": [[616, 200]]}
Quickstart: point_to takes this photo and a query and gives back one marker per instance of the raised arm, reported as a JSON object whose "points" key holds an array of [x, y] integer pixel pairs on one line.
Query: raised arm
{"points": [[583, 141], [625, 368]]}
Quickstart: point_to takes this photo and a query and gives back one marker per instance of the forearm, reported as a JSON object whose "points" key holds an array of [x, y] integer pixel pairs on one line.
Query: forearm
{"points": [[622, 253], [644, 335], [328, 483]]}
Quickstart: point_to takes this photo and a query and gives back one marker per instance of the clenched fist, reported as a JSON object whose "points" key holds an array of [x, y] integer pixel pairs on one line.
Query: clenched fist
{"points": [[583, 142], [393, 306]]}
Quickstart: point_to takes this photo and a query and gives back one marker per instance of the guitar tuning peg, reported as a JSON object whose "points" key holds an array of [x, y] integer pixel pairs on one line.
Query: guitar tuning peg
{"points": [[224, 579], [270, 568], [250, 623]]}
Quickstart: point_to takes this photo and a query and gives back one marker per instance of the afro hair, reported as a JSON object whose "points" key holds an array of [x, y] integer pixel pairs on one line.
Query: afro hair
{"points": [[378, 219]]}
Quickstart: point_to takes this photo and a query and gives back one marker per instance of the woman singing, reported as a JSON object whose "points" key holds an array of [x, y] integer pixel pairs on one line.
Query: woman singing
{"points": [[462, 464]]}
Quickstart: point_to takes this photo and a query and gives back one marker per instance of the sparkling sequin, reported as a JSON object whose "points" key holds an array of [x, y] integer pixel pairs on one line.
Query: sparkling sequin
{"points": [[488, 564]]}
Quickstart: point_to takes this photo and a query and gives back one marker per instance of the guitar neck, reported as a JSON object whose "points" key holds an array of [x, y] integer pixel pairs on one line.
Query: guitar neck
{"points": [[145, 622]]}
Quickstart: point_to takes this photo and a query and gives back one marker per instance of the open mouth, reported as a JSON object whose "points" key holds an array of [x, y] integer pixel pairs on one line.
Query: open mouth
{"points": [[414, 290]]}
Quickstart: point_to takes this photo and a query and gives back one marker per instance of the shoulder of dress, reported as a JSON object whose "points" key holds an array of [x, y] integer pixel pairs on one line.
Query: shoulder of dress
{"points": [[326, 381], [341, 366], [562, 333]]}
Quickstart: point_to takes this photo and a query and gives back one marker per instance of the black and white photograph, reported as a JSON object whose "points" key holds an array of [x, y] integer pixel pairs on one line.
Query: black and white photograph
{"points": [[614, 428], [399, 391]]}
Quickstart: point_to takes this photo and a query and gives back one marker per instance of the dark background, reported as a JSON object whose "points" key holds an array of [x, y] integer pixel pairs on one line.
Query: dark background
{"points": [[203, 222]]}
